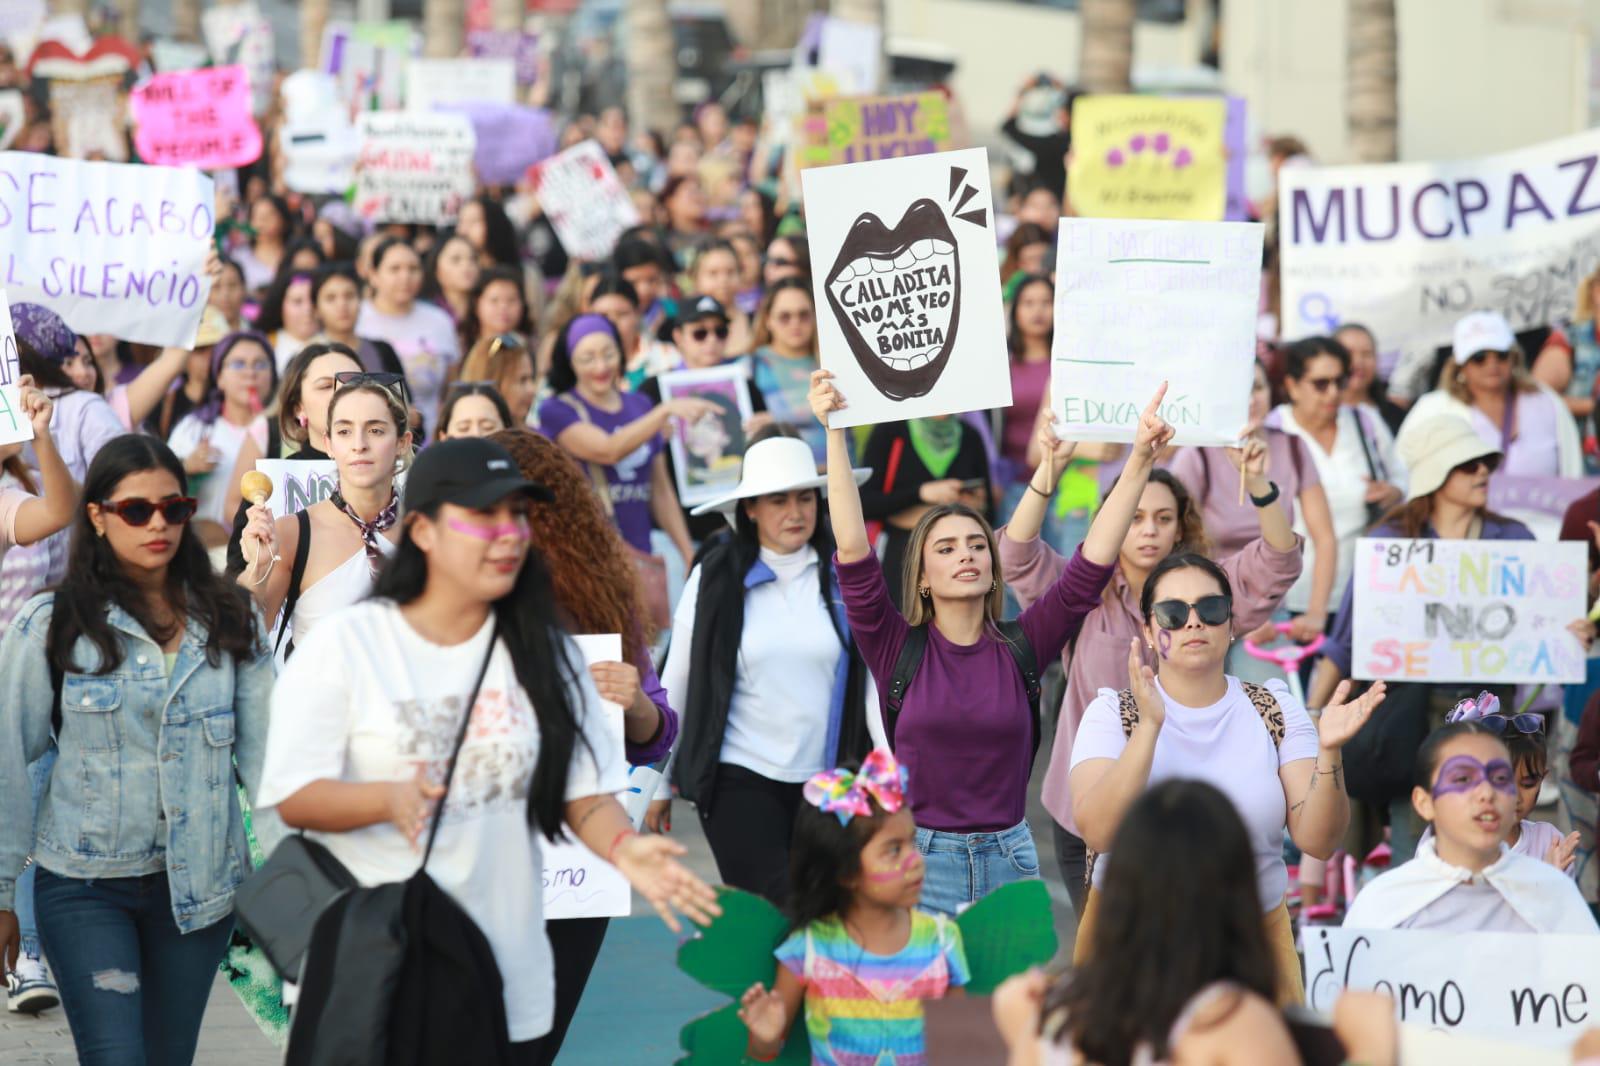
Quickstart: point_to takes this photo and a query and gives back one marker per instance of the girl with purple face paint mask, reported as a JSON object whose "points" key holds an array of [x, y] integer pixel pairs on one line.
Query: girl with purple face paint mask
{"points": [[1464, 878]]}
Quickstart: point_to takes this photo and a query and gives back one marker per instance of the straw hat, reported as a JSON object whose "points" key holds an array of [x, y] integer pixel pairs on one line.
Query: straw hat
{"points": [[777, 464], [1436, 447]]}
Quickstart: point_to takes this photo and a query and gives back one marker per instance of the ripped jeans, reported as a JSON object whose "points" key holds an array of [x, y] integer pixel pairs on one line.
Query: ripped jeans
{"points": [[133, 987]]}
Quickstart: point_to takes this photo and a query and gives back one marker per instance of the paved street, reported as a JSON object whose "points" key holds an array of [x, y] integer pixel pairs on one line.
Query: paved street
{"points": [[635, 1003]]}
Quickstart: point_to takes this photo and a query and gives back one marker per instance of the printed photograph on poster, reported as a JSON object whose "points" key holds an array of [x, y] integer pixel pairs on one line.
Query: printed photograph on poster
{"points": [[909, 312], [584, 200], [708, 453], [1139, 302], [1486, 612], [14, 425]]}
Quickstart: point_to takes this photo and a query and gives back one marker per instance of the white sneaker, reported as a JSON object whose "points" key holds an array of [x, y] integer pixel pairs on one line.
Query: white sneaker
{"points": [[29, 989]]}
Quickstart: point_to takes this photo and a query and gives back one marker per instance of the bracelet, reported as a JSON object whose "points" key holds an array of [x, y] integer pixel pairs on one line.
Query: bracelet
{"points": [[1041, 492], [622, 835], [1269, 499]]}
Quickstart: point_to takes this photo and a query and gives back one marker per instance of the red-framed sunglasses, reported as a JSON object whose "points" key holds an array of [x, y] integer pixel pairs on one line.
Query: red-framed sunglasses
{"points": [[175, 510]]}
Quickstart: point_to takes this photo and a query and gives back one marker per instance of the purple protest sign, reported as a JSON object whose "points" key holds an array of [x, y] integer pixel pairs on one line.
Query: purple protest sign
{"points": [[522, 48], [1236, 205], [511, 139], [1538, 495]]}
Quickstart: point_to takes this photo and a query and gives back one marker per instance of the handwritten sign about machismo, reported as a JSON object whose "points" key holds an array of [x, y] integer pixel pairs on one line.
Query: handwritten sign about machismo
{"points": [[197, 118], [584, 200], [414, 167], [14, 425], [1148, 157], [1529, 989], [854, 129], [1139, 302], [1490, 611], [1408, 248], [111, 248]]}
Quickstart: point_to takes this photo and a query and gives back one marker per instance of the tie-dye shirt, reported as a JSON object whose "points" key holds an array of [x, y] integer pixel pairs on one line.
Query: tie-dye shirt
{"points": [[864, 1009]]}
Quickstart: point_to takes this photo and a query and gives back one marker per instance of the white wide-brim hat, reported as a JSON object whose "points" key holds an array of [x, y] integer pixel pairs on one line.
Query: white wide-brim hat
{"points": [[1436, 447], [777, 464]]}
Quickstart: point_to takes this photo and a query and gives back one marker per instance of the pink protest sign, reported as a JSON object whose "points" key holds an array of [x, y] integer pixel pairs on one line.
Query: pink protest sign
{"points": [[199, 118]]}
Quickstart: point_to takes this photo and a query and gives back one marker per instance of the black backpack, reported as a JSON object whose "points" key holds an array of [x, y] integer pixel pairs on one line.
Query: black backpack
{"points": [[916, 646]]}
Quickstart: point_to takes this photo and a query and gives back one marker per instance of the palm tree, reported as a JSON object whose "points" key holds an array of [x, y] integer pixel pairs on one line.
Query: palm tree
{"points": [[443, 22], [1371, 77], [1105, 56], [652, 66], [762, 24], [313, 20]]}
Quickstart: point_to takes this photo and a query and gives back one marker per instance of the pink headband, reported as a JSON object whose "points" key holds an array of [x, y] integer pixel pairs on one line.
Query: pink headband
{"points": [[586, 325]]}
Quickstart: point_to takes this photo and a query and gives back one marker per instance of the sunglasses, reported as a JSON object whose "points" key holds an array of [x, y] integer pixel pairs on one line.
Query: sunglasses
{"points": [[783, 318], [505, 340], [1174, 614], [175, 510], [394, 384], [1488, 463], [248, 366], [1325, 384], [700, 333], [1482, 357], [1523, 723]]}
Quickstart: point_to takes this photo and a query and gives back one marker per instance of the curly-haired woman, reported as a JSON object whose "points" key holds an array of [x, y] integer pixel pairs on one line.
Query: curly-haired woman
{"points": [[593, 578]]}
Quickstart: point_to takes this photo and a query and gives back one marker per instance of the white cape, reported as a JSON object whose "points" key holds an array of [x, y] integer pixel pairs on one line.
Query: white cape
{"points": [[1541, 895]]}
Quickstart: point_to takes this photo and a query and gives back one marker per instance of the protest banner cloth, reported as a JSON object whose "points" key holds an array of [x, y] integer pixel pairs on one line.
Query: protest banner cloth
{"points": [[584, 201], [854, 129], [14, 425], [577, 882], [1481, 611], [521, 48], [1149, 157], [510, 139], [1532, 989], [298, 484], [1235, 147], [909, 317], [1408, 248], [197, 118], [414, 167], [455, 81], [369, 59], [1139, 302], [111, 248], [707, 454], [1540, 503]]}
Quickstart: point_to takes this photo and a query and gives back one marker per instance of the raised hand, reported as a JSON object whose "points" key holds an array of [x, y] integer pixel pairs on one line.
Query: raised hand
{"points": [[1153, 433], [824, 397], [37, 406], [1142, 683], [1563, 853], [1054, 452], [1342, 720], [1584, 630], [651, 866], [258, 543], [1250, 460], [763, 1013], [691, 408]]}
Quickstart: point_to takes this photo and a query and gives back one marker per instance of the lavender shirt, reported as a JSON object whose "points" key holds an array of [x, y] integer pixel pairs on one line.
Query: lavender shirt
{"points": [[964, 732], [1214, 483], [628, 480]]}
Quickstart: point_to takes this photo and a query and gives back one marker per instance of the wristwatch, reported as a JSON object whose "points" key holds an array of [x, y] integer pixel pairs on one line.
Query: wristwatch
{"points": [[1269, 499]]}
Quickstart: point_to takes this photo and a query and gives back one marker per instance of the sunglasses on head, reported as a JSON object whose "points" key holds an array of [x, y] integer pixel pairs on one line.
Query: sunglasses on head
{"points": [[1174, 614], [136, 511], [699, 333], [1489, 463], [394, 384], [505, 340], [1522, 723], [1480, 358]]}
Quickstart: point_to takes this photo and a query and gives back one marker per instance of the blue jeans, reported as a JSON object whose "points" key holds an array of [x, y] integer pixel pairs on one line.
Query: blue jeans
{"points": [[962, 868], [134, 988], [38, 774]]}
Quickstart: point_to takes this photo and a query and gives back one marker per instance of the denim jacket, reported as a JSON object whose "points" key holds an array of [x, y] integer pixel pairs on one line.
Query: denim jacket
{"points": [[98, 815]]}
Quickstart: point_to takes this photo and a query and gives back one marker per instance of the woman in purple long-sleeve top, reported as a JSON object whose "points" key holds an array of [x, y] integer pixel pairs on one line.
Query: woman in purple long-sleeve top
{"points": [[965, 731], [596, 591]]}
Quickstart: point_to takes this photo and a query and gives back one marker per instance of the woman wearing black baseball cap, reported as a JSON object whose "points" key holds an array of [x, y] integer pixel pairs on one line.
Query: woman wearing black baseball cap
{"points": [[365, 719]]}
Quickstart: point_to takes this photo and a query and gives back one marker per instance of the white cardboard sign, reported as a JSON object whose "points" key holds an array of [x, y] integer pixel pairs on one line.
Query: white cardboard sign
{"points": [[909, 314], [584, 200], [14, 425], [577, 882], [1139, 302], [1489, 611], [1528, 988], [110, 247], [459, 81], [414, 167], [298, 483]]}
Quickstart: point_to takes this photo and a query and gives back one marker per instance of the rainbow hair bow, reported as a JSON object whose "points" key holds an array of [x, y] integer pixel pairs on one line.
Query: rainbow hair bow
{"points": [[845, 795]]}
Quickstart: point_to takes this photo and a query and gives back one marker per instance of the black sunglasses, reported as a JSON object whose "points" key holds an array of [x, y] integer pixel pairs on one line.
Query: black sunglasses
{"points": [[394, 384], [1523, 723], [1482, 357], [1491, 463], [700, 333], [1174, 614], [136, 511]]}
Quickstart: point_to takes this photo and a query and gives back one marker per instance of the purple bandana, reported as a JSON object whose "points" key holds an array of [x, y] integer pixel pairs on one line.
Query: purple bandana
{"points": [[583, 326], [42, 330]]}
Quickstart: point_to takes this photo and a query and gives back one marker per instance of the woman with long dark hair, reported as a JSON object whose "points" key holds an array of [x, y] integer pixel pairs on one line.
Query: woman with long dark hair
{"points": [[495, 306], [596, 590], [336, 301], [763, 666], [422, 335], [272, 227], [364, 720], [287, 316], [451, 271], [142, 657], [1172, 976]]}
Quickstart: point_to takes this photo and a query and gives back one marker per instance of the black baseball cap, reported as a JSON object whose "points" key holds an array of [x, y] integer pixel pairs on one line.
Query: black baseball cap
{"points": [[705, 307], [468, 472]]}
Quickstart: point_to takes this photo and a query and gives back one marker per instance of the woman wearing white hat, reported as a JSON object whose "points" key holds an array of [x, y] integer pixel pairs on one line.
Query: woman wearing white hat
{"points": [[1448, 499], [769, 683], [1486, 382]]}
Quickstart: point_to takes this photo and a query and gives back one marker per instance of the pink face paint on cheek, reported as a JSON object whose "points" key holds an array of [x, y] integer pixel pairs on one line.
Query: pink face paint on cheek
{"points": [[489, 534], [1164, 643]]}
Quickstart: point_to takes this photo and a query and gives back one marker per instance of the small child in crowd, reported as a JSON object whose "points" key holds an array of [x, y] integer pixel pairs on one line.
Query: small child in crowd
{"points": [[860, 956]]}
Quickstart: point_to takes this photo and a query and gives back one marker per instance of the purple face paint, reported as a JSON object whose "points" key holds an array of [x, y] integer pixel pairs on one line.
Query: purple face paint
{"points": [[1164, 643], [899, 873], [490, 534], [1463, 773]]}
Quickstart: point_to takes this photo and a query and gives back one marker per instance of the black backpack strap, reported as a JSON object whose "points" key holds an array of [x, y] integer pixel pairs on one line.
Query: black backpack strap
{"points": [[297, 574], [905, 668], [56, 680], [1021, 650]]}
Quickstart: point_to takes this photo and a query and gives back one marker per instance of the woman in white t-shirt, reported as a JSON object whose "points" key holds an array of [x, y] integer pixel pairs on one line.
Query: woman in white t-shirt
{"points": [[423, 335], [1190, 719], [365, 718], [244, 375]]}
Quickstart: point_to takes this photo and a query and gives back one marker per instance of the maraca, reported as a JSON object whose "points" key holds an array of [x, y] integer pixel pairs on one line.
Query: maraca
{"points": [[255, 487]]}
